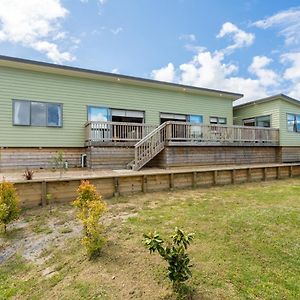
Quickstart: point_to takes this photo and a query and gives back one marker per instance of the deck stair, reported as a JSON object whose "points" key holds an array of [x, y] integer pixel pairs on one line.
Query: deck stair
{"points": [[148, 147]]}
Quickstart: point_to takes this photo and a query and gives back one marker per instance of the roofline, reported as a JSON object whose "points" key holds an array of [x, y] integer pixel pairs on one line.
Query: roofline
{"points": [[234, 96], [268, 99]]}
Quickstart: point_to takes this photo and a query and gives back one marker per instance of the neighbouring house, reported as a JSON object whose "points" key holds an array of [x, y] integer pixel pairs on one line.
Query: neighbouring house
{"points": [[109, 121], [279, 111]]}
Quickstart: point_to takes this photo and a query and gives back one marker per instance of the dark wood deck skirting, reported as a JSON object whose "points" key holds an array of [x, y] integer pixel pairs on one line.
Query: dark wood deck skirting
{"points": [[290, 154], [38, 158], [33, 193], [178, 156]]}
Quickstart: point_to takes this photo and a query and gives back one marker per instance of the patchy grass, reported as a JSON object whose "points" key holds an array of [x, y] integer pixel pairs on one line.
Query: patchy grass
{"points": [[247, 246]]}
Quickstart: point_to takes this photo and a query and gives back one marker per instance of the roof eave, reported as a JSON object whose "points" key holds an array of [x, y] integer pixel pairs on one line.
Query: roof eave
{"points": [[269, 99]]}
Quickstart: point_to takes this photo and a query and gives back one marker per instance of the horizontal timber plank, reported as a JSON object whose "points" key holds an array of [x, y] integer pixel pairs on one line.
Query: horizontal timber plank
{"points": [[32, 193]]}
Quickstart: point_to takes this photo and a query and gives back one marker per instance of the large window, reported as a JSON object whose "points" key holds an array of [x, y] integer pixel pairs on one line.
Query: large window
{"points": [[195, 119], [261, 121], [218, 120], [33, 113], [104, 114], [293, 122], [164, 117], [99, 114]]}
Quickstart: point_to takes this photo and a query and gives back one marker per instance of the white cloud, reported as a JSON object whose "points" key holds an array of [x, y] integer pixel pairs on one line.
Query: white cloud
{"points": [[116, 30], [115, 71], [34, 24], [52, 51], [190, 37], [292, 73], [240, 38], [267, 77], [164, 74], [295, 91], [288, 22], [210, 70], [102, 1], [194, 48]]}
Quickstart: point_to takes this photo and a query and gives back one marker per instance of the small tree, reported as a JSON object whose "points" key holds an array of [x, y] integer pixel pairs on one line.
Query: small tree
{"points": [[9, 204], [59, 160], [91, 207], [174, 253]]}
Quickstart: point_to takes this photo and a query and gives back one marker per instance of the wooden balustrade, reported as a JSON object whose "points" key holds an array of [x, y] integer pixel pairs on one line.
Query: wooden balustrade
{"points": [[180, 132], [116, 131], [149, 147]]}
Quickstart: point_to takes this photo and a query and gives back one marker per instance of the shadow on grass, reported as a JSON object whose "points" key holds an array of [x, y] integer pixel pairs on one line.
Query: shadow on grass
{"points": [[183, 292]]}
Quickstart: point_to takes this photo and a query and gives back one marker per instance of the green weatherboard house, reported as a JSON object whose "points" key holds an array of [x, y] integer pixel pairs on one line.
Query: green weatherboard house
{"points": [[279, 111], [104, 120]]}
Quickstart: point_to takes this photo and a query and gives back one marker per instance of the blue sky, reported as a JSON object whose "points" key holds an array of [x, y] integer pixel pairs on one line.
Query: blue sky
{"points": [[251, 47]]}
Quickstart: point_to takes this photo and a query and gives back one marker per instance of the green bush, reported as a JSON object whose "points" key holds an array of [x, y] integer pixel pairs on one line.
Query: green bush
{"points": [[9, 204], [91, 208], [174, 252]]}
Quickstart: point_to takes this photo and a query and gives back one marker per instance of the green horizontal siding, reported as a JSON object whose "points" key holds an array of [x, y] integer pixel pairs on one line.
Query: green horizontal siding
{"points": [[77, 93], [256, 110], [288, 138], [278, 109]]}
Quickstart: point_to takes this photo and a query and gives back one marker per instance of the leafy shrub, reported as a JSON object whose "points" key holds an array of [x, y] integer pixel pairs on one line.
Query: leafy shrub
{"points": [[91, 207], [28, 174], [174, 252], [9, 204]]}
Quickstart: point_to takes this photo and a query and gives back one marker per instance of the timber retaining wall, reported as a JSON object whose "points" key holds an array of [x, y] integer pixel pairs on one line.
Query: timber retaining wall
{"points": [[33, 193]]}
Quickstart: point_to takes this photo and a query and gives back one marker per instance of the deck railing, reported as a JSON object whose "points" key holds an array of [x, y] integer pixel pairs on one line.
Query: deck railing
{"points": [[149, 147], [182, 133], [116, 131], [221, 134]]}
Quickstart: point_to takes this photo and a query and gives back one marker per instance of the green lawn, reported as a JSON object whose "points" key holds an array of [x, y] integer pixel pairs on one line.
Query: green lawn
{"points": [[246, 246]]}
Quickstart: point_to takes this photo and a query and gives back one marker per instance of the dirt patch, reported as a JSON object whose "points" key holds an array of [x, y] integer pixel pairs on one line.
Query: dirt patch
{"points": [[39, 228], [30, 238]]}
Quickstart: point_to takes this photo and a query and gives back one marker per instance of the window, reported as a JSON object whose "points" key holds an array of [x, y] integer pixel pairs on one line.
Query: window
{"points": [[98, 114], [249, 122], [264, 121], [125, 115], [261, 121], [33, 113], [293, 122], [21, 111], [195, 119], [38, 114], [218, 120], [54, 115]]}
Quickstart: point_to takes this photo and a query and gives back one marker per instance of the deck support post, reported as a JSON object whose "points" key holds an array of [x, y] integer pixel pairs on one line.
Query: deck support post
{"points": [[278, 173], [116, 187], [194, 180], [264, 174], [233, 176], [249, 175], [144, 184], [44, 193], [215, 177], [291, 172], [171, 181]]}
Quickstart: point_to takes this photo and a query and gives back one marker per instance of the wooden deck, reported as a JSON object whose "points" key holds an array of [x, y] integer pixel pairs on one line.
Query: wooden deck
{"points": [[151, 140], [123, 182]]}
